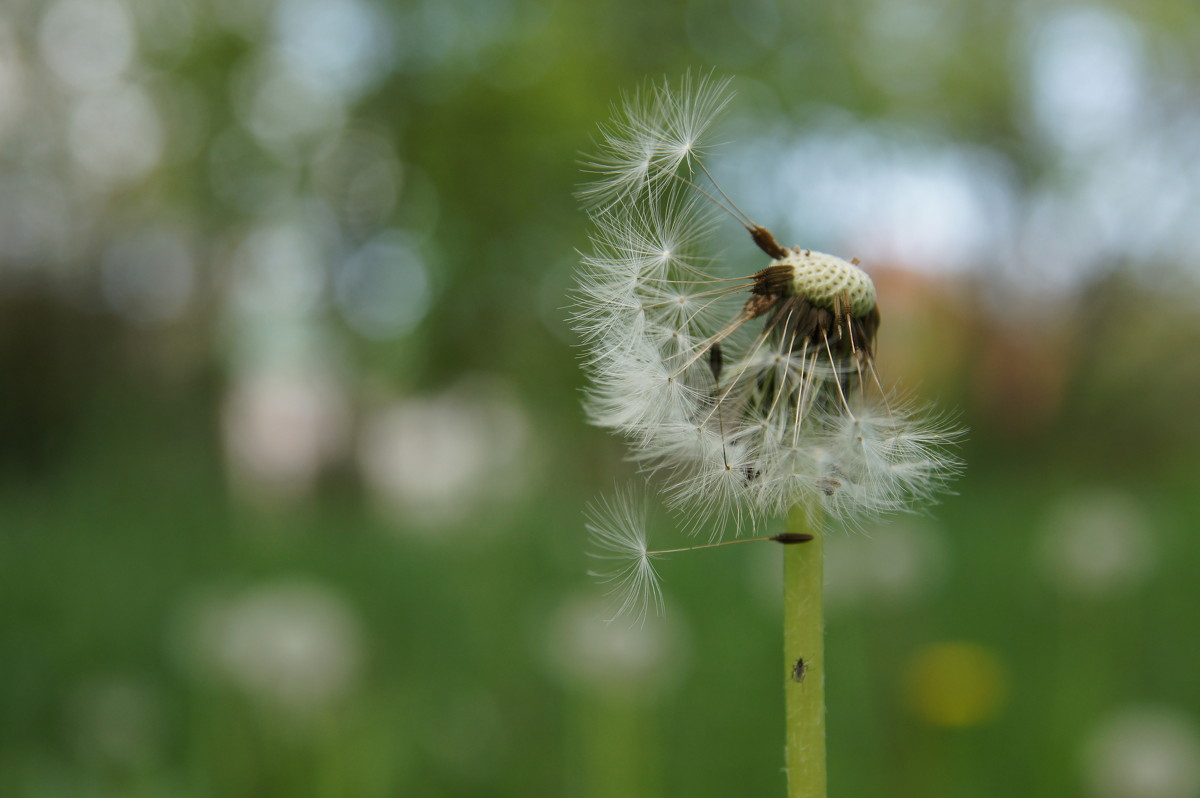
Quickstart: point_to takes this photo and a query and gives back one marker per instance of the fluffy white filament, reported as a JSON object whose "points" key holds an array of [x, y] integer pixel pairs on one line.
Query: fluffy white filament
{"points": [[735, 420], [617, 525]]}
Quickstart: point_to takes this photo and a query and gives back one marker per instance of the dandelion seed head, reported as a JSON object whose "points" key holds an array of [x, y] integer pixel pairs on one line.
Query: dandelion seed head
{"points": [[741, 395], [826, 279]]}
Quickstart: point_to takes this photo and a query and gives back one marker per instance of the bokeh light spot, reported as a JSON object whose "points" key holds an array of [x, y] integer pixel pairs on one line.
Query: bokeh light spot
{"points": [[341, 46], [435, 460], [1086, 81], [901, 564], [278, 270], [280, 429], [291, 645], [116, 135], [148, 277], [283, 110], [12, 80], [1143, 752], [383, 290], [1097, 543], [115, 720], [87, 43], [584, 650]]}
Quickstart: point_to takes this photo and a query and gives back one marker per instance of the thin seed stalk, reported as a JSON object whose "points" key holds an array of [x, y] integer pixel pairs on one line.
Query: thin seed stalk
{"points": [[803, 640]]}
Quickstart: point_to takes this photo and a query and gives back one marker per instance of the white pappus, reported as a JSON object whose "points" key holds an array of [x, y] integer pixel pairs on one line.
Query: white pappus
{"points": [[742, 393]]}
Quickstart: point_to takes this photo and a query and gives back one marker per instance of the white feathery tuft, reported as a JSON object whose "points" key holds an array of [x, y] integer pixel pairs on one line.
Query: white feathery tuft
{"points": [[654, 133], [713, 490], [617, 526], [741, 395]]}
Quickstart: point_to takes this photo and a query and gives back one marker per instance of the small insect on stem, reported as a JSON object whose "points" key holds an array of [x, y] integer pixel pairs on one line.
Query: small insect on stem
{"points": [[799, 669]]}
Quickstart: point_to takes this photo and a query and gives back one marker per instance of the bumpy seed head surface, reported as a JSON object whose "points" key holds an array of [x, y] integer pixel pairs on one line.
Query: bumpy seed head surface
{"points": [[822, 278]]}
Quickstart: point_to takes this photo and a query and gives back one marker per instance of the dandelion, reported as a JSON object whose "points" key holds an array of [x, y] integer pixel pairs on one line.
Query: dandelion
{"points": [[744, 394]]}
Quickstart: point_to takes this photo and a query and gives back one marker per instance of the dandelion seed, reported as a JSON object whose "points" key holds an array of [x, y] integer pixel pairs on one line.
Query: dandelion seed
{"points": [[617, 525], [654, 132]]}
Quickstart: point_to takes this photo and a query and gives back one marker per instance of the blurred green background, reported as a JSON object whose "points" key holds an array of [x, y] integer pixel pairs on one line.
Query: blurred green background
{"points": [[291, 459]]}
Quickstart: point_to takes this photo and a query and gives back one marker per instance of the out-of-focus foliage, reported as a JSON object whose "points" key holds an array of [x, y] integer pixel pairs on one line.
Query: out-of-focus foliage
{"points": [[291, 462]]}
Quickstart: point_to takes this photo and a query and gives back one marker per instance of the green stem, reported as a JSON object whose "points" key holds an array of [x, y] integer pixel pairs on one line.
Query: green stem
{"points": [[803, 639]]}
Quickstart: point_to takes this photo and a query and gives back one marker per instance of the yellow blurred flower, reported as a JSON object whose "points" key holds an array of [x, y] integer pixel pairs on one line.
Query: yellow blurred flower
{"points": [[954, 684]]}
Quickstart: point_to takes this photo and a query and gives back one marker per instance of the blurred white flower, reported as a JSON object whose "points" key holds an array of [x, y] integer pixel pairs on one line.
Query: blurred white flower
{"points": [[288, 115], [282, 428], [435, 460], [14, 80], [383, 289], [296, 646], [117, 135], [1143, 752], [1096, 543], [585, 652], [88, 44], [898, 563], [278, 269]]}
